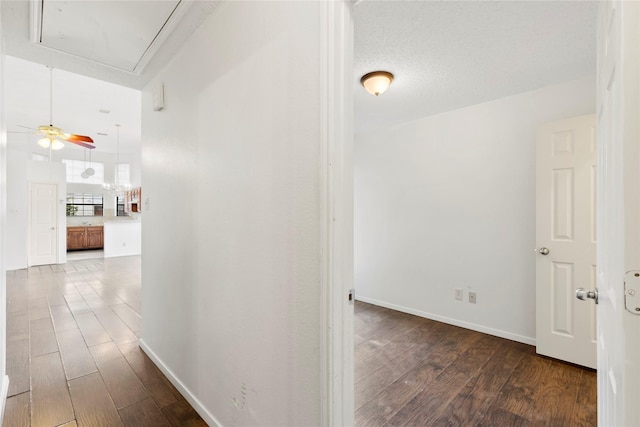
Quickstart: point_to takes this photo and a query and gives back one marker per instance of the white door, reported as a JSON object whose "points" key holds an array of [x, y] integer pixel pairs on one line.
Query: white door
{"points": [[618, 208], [565, 239], [43, 234]]}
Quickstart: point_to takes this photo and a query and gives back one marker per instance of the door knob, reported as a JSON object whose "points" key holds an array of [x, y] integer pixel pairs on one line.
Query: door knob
{"points": [[583, 294], [543, 251]]}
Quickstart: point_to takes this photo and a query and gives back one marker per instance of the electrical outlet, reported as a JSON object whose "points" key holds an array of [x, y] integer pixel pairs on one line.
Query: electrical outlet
{"points": [[472, 297], [458, 294]]}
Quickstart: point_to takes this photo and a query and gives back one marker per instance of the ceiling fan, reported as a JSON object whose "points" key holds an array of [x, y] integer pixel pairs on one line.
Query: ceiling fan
{"points": [[52, 135]]}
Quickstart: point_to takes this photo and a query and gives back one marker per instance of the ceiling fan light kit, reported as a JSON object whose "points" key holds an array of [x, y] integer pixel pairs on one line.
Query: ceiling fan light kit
{"points": [[48, 142], [53, 135], [376, 82], [44, 142]]}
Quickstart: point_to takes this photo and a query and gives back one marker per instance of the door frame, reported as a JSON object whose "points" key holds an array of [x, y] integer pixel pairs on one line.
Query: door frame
{"points": [[619, 210], [4, 379], [336, 214], [620, 165]]}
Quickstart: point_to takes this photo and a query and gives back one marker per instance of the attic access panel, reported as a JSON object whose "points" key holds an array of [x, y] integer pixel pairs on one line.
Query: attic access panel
{"points": [[119, 34]]}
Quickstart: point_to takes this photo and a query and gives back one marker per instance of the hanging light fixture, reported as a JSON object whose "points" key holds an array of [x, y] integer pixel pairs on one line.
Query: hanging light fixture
{"points": [[376, 82], [49, 141], [84, 172], [115, 185], [89, 171]]}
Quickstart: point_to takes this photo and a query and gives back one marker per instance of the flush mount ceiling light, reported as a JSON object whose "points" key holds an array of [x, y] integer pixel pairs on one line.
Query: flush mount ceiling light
{"points": [[376, 82]]}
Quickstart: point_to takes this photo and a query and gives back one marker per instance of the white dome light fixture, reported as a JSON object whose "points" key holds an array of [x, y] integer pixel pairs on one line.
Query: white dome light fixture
{"points": [[376, 82]]}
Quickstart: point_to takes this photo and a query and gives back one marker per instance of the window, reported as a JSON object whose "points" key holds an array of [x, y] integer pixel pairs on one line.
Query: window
{"points": [[120, 211], [123, 173], [84, 204], [76, 167]]}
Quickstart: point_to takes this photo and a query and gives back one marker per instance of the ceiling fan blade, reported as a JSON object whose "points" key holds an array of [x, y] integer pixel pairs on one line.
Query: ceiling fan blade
{"points": [[82, 144], [76, 138], [26, 127]]}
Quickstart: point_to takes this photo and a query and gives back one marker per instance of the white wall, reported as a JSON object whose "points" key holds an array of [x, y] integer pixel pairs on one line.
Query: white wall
{"points": [[17, 210], [231, 281], [448, 202], [122, 238]]}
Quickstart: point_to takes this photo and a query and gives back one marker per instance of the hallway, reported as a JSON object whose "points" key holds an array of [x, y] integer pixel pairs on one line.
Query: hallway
{"points": [[72, 352]]}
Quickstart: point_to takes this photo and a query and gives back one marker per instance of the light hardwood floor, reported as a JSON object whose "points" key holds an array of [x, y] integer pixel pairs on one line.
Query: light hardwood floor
{"points": [[412, 371], [72, 352]]}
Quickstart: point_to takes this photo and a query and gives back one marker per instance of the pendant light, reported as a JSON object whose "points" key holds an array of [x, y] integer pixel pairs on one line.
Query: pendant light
{"points": [[115, 185], [84, 175], [89, 171]]}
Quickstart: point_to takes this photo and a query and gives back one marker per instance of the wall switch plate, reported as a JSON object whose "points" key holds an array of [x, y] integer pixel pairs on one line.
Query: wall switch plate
{"points": [[472, 297], [458, 294]]}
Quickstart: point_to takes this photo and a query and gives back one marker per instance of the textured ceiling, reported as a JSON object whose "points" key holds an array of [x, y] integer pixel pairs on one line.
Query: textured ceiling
{"points": [[446, 55]]}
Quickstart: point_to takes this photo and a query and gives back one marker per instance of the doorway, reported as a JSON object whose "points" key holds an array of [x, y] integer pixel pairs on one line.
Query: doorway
{"points": [[43, 224]]}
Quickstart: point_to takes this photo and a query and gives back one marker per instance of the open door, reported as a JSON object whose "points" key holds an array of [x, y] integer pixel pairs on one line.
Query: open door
{"points": [[618, 213], [566, 239]]}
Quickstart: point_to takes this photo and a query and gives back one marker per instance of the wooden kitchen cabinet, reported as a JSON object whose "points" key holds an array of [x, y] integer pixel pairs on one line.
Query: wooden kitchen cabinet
{"points": [[75, 238], [79, 238], [95, 237]]}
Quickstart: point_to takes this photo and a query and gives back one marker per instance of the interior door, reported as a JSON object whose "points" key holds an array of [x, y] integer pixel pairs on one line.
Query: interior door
{"points": [[566, 239], [43, 234], [618, 207]]}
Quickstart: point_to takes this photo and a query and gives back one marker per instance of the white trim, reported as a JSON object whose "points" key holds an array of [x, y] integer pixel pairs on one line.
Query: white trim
{"points": [[3, 241], [467, 325], [336, 214], [35, 33], [4, 392], [186, 393], [35, 17], [630, 90], [168, 28]]}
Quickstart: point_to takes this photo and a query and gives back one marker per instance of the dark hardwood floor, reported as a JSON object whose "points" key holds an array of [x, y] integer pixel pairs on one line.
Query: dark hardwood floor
{"points": [[411, 371], [73, 359], [72, 351]]}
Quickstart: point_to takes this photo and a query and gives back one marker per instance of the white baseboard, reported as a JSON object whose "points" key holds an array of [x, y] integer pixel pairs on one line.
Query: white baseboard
{"points": [[450, 321], [3, 395], [195, 403]]}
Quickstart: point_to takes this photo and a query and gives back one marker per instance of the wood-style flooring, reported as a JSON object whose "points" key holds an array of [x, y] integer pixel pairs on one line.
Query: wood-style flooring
{"points": [[411, 371], [72, 350], [73, 359]]}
